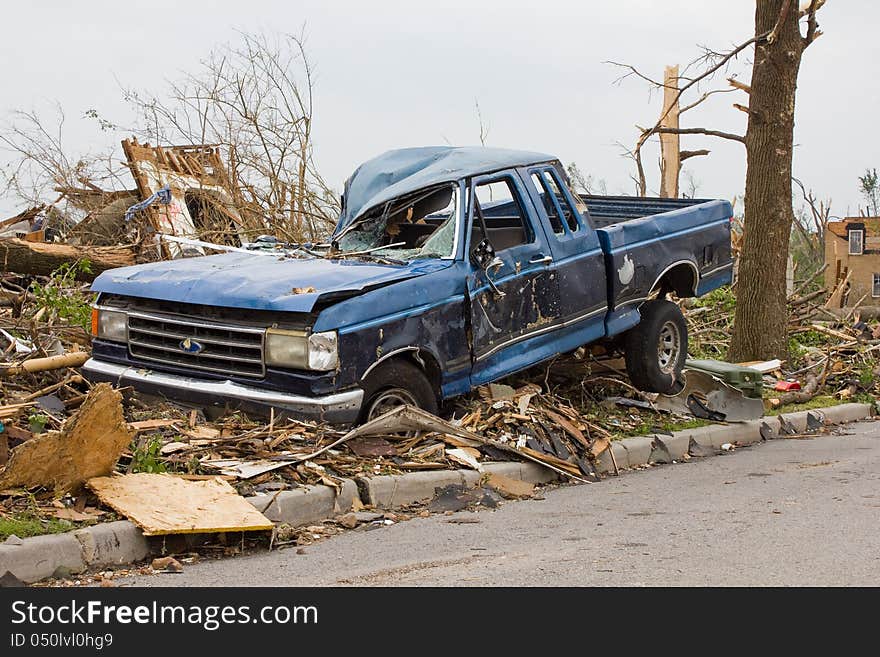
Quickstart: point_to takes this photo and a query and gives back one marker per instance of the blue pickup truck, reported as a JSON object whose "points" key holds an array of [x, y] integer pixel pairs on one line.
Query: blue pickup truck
{"points": [[448, 268]]}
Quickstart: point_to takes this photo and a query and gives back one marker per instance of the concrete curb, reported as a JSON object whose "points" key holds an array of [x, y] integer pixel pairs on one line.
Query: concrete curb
{"points": [[643, 450], [307, 505], [390, 491], [121, 542]]}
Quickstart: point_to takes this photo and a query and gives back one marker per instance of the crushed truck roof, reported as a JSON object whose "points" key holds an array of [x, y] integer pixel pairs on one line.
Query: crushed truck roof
{"points": [[407, 170]]}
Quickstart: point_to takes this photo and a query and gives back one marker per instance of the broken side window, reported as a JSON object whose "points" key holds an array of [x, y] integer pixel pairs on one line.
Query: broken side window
{"points": [[504, 215], [555, 189], [547, 202], [420, 225]]}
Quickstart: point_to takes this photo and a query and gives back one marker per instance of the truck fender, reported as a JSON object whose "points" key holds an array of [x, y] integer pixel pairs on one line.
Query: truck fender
{"points": [[422, 357], [679, 290]]}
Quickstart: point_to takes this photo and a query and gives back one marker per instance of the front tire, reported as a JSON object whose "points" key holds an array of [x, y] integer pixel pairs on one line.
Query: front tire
{"points": [[656, 348], [393, 384]]}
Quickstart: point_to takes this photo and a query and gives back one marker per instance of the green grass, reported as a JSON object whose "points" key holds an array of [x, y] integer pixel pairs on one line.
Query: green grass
{"points": [[820, 401], [664, 424], [27, 524]]}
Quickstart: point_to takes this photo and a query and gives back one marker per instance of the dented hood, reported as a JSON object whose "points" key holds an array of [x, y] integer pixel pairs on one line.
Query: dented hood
{"points": [[242, 280]]}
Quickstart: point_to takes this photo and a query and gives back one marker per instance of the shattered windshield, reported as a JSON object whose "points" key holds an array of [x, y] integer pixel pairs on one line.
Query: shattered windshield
{"points": [[419, 225]]}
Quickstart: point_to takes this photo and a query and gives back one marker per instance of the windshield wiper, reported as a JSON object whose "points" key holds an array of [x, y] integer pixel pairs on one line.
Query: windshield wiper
{"points": [[370, 254]]}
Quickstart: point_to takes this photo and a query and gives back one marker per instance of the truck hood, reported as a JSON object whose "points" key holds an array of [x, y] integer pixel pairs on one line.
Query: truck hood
{"points": [[242, 280]]}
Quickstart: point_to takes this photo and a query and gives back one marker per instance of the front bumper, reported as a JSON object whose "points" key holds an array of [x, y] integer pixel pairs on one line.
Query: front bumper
{"points": [[338, 408]]}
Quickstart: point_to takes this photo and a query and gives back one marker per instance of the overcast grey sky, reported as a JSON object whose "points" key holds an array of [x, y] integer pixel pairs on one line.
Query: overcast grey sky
{"points": [[394, 74]]}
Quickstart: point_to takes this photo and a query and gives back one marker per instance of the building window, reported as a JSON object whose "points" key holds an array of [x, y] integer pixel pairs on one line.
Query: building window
{"points": [[875, 288], [856, 242]]}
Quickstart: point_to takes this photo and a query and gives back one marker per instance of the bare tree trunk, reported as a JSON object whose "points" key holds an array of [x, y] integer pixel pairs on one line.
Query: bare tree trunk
{"points": [[761, 317]]}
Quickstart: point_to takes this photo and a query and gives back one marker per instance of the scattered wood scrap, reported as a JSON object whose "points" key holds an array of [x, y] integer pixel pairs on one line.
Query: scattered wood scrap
{"points": [[88, 446], [32, 365]]}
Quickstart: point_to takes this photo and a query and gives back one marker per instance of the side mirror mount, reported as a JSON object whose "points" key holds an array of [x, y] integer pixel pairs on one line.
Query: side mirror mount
{"points": [[491, 268], [484, 257], [483, 254]]}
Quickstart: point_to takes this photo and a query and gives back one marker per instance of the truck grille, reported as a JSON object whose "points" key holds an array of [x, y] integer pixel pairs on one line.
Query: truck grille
{"points": [[224, 349]]}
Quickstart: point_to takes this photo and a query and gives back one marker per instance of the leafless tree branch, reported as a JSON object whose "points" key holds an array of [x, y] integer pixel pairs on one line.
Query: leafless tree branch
{"points": [[701, 131]]}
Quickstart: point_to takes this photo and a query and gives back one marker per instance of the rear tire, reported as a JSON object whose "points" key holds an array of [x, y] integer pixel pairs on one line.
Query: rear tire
{"points": [[396, 383], [657, 347]]}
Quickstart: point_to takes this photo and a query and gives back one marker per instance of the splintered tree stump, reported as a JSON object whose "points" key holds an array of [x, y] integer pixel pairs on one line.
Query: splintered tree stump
{"points": [[42, 258]]}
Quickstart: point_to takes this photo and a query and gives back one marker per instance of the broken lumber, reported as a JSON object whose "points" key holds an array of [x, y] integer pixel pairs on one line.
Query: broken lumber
{"points": [[88, 446], [41, 259], [72, 359]]}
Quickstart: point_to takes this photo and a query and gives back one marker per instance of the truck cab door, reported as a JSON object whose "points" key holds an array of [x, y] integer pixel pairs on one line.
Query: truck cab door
{"points": [[578, 261], [516, 297]]}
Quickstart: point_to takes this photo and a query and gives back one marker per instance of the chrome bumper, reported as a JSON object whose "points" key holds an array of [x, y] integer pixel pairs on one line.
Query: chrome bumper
{"points": [[340, 407]]}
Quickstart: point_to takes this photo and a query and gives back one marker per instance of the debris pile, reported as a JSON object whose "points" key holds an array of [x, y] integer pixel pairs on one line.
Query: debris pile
{"points": [[833, 351], [562, 415], [43, 340], [183, 203]]}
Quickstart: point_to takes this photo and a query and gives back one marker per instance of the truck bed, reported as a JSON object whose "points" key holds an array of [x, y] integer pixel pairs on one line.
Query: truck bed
{"points": [[642, 238], [607, 210]]}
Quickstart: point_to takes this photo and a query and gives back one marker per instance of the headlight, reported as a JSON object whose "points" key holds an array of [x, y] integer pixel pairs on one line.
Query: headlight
{"points": [[322, 351], [297, 350], [109, 324]]}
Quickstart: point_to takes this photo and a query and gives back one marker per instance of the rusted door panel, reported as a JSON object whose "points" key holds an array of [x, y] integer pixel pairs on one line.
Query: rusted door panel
{"points": [[530, 304]]}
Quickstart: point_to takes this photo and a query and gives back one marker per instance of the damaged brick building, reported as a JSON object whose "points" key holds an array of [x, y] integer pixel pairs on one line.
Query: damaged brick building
{"points": [[852, 253]]}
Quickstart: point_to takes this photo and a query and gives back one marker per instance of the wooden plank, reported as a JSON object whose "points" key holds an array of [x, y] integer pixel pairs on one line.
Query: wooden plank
{"points": [[165, 504], [175, 162], [133, 153], [148, 425], [569, 428]]}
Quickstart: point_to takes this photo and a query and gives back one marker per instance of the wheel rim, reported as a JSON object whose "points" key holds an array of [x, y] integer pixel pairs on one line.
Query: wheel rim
{"points": [[388, 400], [668, 347]]}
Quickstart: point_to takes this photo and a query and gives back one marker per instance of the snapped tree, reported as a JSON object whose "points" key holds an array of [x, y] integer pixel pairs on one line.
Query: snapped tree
{"points": [[782, 32]]}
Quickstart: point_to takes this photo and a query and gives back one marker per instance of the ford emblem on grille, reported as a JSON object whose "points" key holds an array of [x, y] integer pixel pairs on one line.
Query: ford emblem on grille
{"points": [[191, 346]]}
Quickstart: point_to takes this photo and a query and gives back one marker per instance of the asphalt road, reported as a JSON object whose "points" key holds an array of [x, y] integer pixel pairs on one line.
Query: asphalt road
{"points": [[787, 512]]}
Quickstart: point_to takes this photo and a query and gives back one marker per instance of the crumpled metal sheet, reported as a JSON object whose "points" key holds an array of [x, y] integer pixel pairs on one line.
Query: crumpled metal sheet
{"points": [[708, 397], [407, 170]]}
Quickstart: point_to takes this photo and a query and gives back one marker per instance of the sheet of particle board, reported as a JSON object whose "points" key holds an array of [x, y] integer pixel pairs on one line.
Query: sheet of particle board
{"points": [[165, 504]]}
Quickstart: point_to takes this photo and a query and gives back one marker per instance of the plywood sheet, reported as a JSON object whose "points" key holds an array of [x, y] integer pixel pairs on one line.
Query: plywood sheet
{"points": [[165, 504]]}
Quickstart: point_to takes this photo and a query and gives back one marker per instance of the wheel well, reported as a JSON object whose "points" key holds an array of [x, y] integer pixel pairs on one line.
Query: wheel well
{"points": [[425, 361], [680, 278]]}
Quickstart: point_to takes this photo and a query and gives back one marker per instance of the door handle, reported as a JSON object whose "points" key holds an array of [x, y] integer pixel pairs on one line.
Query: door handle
{"points": [[540, 259]]}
